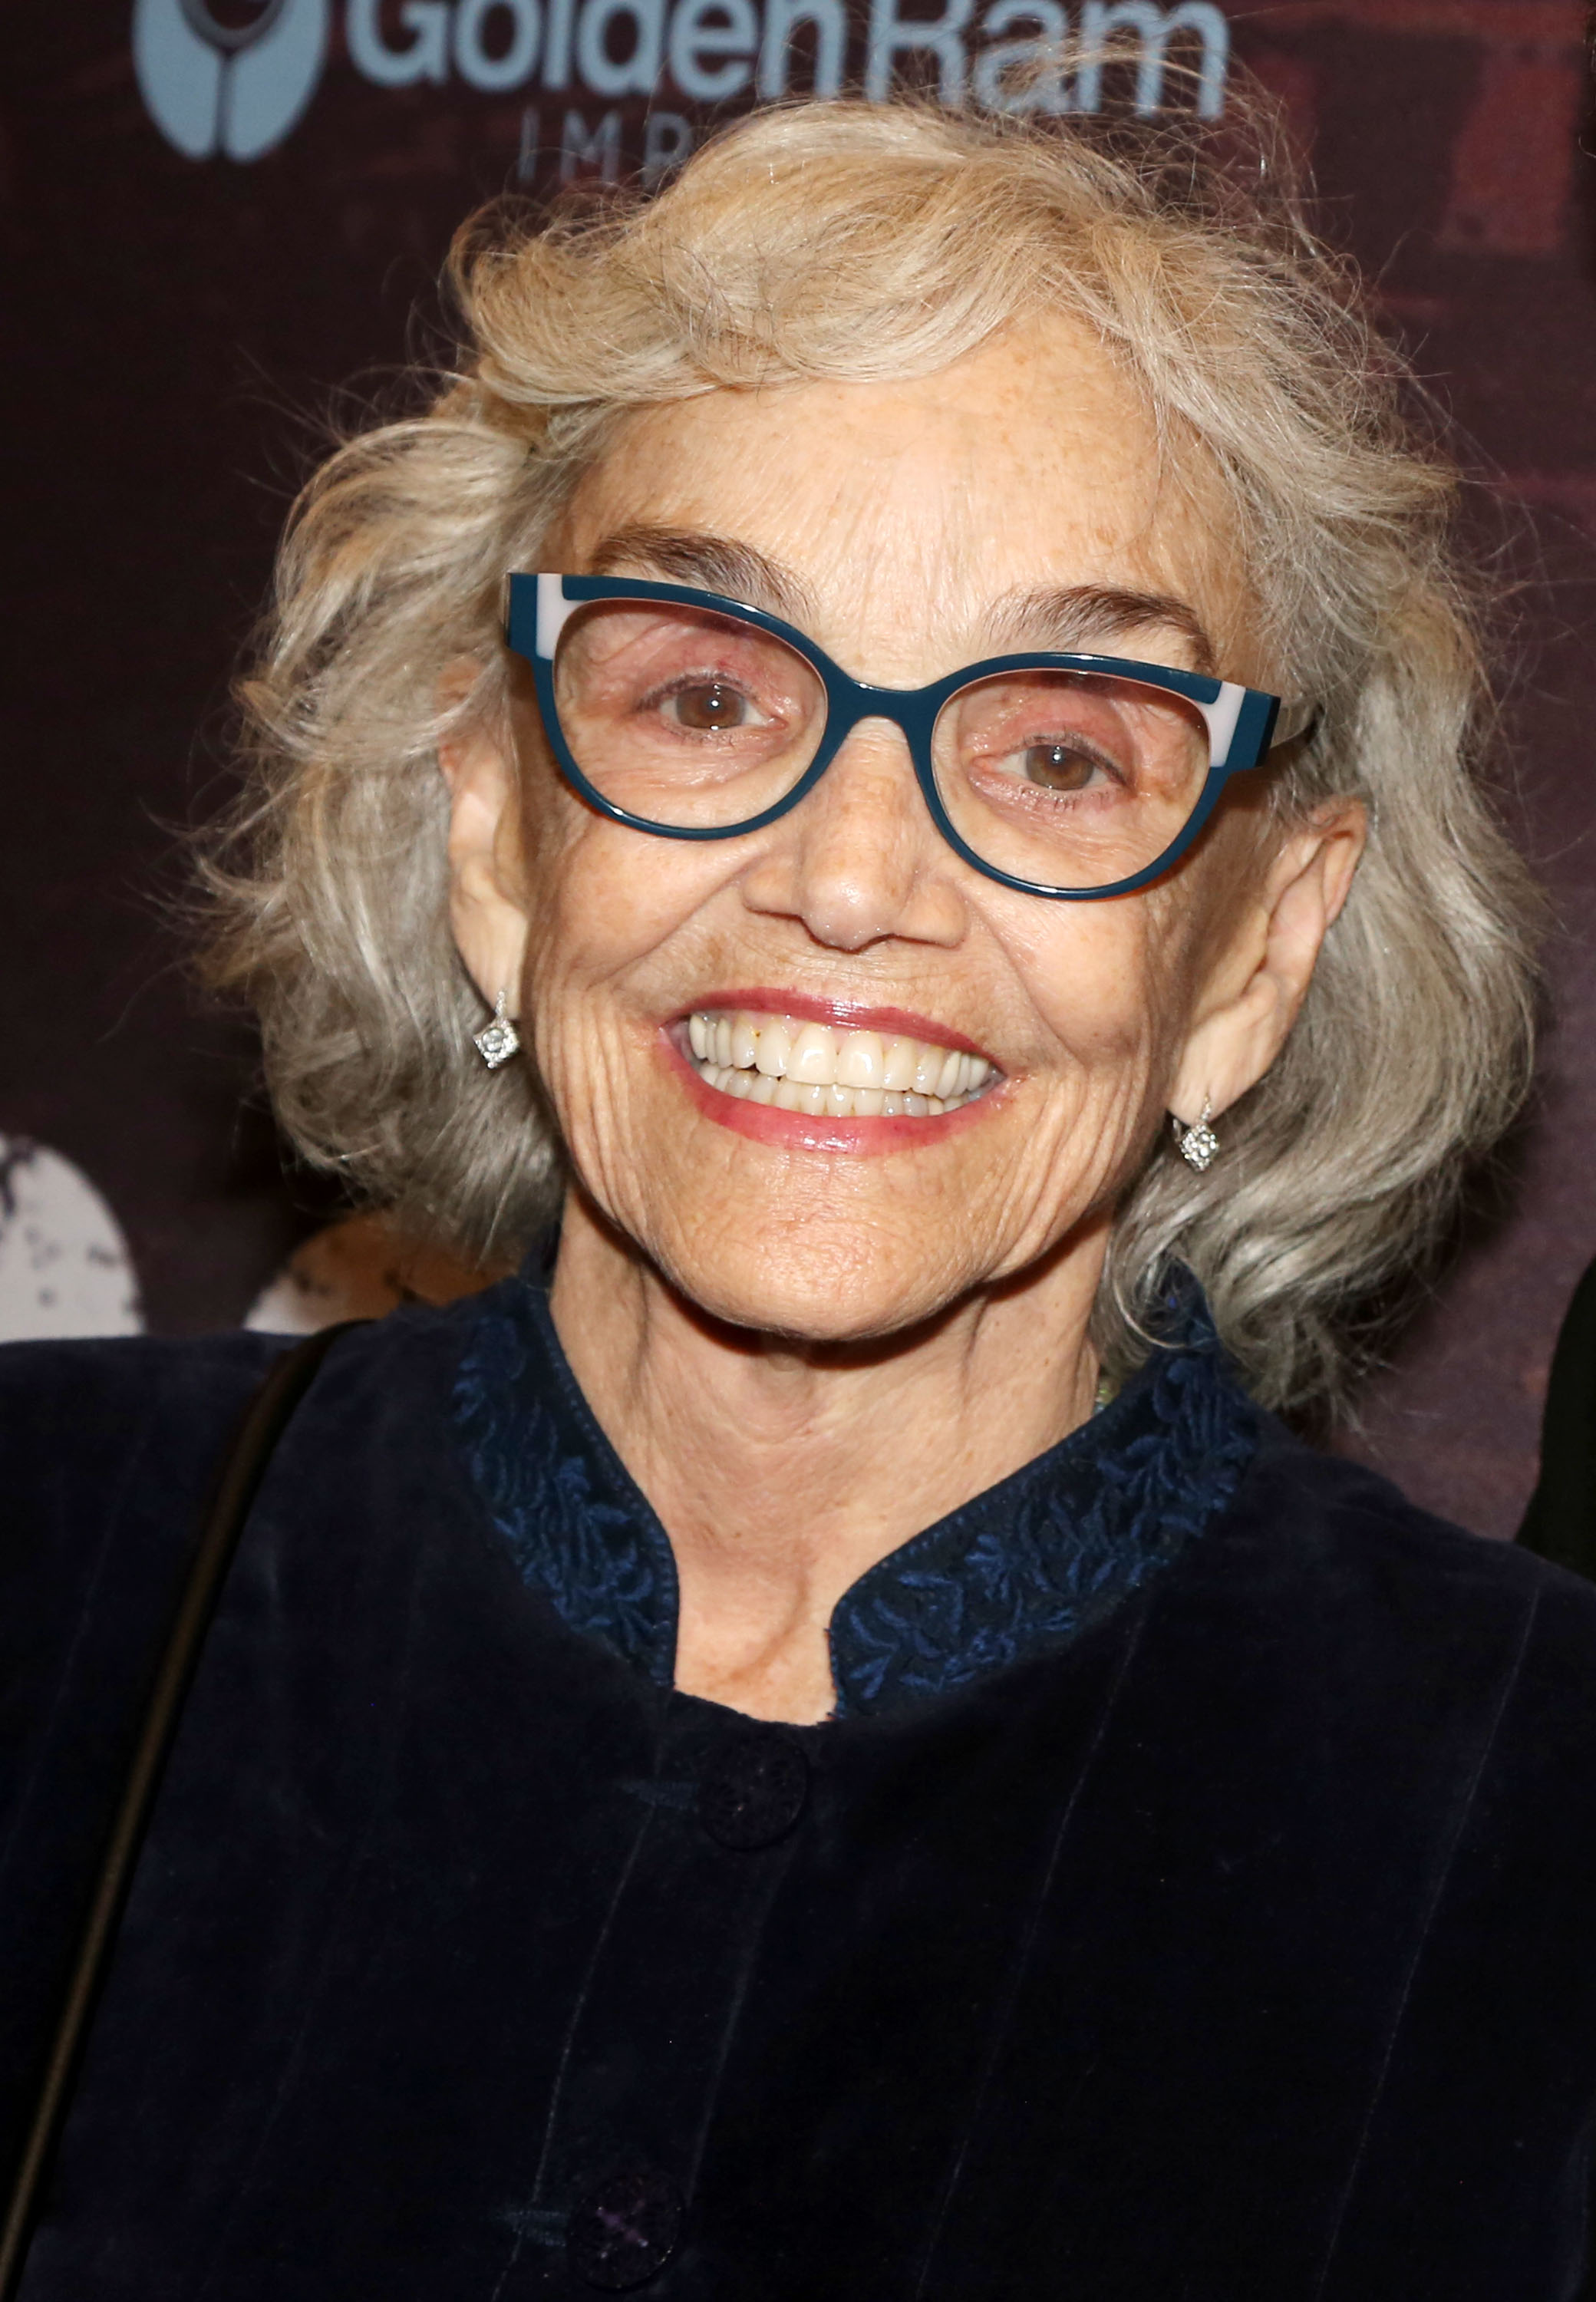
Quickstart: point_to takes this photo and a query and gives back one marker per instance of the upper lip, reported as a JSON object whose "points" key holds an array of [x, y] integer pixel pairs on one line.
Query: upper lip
{"points": [[842, 1014]]}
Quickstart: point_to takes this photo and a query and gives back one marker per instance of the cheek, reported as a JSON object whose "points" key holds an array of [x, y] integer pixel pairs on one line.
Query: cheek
{"points": [[611, 914], [598, 896], [1103, 987]]}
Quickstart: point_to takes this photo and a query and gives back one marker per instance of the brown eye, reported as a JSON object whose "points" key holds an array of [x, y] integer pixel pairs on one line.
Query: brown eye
{"points": [[1059, 767], [710, 708]]}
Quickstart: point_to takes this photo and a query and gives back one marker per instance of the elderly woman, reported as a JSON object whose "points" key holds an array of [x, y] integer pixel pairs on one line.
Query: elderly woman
{"points": [[894, 748]]}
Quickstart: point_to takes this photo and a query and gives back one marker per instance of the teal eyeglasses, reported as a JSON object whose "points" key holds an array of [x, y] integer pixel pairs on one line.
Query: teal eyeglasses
{"points": [[689, 716]]}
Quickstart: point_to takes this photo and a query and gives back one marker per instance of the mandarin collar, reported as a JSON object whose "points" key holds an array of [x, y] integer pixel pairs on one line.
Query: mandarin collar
{"points": [[1025, 1566]]}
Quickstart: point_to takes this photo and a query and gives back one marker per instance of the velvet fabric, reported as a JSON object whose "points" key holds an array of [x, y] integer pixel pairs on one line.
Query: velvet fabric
{"points": [[1023, 1567], [1237, 1945]]}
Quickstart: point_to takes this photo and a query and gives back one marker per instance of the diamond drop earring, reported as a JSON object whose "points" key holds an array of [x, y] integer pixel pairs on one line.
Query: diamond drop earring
{"points": [[1200, 1145], [499, 1040]]}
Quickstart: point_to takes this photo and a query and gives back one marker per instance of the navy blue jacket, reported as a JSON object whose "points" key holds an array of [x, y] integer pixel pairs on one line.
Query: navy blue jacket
{"points": [[1194, 1899]]}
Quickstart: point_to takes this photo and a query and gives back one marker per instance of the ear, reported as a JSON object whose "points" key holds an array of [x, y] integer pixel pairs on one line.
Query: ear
{"points": [[1259, 980], [486, 905]]}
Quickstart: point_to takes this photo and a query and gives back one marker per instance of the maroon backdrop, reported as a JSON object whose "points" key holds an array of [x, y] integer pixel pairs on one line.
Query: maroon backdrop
{"points": [[199, 249]]}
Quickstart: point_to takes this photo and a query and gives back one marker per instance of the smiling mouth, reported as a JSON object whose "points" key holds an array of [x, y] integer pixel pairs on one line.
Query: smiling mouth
{"points": [[794, 1066]]}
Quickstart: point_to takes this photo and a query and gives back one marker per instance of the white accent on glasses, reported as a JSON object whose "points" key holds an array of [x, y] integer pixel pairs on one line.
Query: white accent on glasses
{"points": [[554, 612], [1221, 716]]}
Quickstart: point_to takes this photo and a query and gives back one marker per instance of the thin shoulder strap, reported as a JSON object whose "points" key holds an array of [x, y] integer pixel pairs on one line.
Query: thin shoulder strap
{"points": [[1559, 1523], [235, 1490]]}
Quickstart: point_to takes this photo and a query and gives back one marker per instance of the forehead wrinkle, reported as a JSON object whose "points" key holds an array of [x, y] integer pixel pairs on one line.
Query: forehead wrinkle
{"points": [[1080, 616], [706, 563]]}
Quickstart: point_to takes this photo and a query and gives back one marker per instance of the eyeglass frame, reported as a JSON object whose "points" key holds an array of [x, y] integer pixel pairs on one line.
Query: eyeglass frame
{"points": [[1241, 721]]}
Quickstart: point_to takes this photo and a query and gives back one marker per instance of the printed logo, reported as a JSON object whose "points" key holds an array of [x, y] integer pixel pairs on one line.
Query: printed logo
{"points": [[233, 76], [229, 76]]}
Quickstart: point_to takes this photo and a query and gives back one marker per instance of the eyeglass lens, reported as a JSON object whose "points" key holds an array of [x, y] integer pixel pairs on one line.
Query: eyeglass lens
{"points": [[700, 722]]}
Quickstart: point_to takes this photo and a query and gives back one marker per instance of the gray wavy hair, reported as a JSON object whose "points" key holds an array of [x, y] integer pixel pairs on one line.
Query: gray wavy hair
{"points": [[858, 241]]}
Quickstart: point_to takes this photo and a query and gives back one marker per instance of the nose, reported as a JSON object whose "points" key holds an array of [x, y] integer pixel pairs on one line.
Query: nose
{"points": [[860, 859]]}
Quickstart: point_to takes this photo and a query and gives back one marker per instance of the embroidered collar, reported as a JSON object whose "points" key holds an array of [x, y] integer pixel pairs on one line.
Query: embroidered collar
{"points": [[1027, 1565]]}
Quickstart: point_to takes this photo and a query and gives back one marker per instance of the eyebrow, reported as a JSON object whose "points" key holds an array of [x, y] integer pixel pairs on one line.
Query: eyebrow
{"points": [[1079, 619], [707, 562]]}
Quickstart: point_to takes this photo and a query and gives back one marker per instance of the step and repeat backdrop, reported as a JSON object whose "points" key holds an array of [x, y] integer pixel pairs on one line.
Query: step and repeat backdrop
{"points": [[221, 218]]}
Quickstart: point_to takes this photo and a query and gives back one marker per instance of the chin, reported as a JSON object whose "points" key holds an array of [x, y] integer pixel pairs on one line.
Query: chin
{"points": [[815, 1289]]}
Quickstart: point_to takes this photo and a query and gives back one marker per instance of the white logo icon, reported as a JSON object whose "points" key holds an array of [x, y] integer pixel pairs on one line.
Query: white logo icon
{"points": [[227, 76]]}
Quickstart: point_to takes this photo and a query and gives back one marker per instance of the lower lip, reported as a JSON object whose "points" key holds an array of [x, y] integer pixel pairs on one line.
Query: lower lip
{"points": [[797, 1130]]}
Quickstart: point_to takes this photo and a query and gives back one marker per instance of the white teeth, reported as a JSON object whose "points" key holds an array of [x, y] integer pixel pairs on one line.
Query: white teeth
{"points": [[902, 1057], [927, 1070], [861, 1060], [809, 1067], [775, 1044], [813, 1055]]}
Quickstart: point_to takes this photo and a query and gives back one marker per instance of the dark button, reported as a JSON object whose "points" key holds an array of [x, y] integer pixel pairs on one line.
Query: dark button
{"points": [[625, 2230], [753, 1793]]}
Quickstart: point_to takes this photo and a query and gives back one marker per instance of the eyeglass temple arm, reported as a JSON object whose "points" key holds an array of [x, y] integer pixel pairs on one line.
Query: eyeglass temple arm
{"points": [[1293, 720]]}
